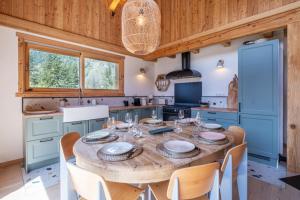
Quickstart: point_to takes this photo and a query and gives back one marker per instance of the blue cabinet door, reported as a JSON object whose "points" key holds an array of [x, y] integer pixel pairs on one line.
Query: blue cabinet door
{"points": [[80, 127], [96, 124], [261, 134], [258, 78]]}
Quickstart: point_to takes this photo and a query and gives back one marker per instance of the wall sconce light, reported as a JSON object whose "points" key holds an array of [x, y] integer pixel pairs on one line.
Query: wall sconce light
{"points": [[220, 64], [142, 71]]}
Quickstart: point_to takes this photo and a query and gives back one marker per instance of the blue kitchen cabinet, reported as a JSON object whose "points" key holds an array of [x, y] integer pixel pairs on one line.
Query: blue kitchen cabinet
{"points": [[80, 127], [259, 99], [147, 112], [261, 136], [258, 78], [114, 114], [96, 124], [42, 136], [225, 119]]}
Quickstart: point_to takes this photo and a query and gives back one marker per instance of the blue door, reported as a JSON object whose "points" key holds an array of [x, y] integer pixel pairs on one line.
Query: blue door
{"points": [[258, 78], [259, 101]]}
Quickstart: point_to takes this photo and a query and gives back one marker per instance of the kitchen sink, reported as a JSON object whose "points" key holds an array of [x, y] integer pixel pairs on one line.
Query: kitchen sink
{"points": [[80, 113]]}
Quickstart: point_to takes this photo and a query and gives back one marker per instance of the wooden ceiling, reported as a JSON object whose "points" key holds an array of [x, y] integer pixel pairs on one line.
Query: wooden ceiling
{"points": [[90, 21]]}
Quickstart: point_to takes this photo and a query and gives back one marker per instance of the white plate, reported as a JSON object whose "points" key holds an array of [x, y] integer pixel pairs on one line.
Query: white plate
{"points": [[153, 121], [117, 148], [187, 120], [123, 125], [98, 134], [212, 136], [179, 146], [212, 126]]}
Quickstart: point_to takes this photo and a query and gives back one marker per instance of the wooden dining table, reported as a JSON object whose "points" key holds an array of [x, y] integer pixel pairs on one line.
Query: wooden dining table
{"points": [[150, 166]]}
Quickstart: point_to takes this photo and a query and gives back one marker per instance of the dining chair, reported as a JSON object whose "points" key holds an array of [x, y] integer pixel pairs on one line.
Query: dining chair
{"points": [[234, 170], [91, 186], [198, 182], [238, 134]]}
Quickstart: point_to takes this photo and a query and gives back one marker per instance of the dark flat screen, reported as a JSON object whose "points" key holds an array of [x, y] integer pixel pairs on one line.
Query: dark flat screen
{"points": [[188, 93]]}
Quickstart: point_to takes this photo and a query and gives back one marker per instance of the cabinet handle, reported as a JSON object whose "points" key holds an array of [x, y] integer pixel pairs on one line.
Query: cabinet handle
{"points": [[76, 123], [239, 119], [212, 113], [46, 140], [293, 126], [239, 109], [99, 120], [209, 119], [45, 118]]}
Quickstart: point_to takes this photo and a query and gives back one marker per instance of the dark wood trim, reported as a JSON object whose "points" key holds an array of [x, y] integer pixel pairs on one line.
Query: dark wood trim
{"points": [[19, 161]]}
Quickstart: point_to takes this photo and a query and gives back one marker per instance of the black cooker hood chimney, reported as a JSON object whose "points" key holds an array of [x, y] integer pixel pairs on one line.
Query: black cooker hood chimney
{"points": [[186, 71]]}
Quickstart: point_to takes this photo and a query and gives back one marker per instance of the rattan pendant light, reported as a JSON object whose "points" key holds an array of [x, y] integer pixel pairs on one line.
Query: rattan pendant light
{"points": [[141, 29]]}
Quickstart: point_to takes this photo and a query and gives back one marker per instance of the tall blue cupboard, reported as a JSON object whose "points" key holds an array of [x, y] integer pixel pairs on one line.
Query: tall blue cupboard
{"points": [[259, 99]]}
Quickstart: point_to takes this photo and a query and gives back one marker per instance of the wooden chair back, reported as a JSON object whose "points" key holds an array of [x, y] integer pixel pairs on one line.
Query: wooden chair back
{"points": [[236, 153], [67, 142], [195, 181], [88, 184], [238, 133]]}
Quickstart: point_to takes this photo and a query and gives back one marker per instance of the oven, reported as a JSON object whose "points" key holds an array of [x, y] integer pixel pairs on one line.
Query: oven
{"points": [[170, 113]]}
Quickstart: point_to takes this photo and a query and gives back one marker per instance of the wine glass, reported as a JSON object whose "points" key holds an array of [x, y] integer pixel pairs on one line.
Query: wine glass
{"points": [[113, 123], [198, 120], [177, 127], [181, 114], [109, 123], [136, 120], [154, 115], [128, 118]]}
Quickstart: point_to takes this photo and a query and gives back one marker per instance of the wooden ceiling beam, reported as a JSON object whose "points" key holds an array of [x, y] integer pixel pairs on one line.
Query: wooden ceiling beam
{"points": [[33, 27], [269, 21]]}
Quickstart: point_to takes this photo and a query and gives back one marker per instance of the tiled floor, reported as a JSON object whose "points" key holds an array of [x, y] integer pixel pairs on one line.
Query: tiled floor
{"points": [[12, 188]]}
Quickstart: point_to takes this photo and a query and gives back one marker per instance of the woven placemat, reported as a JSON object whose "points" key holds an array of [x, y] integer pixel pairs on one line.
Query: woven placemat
{"points": [[163, 151], [110, 138], [137, 150]]}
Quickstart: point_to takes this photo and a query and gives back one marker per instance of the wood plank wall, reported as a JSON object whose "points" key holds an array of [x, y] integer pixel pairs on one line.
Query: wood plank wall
{"points": [[89, 18], [183, 18], [92, 18]]}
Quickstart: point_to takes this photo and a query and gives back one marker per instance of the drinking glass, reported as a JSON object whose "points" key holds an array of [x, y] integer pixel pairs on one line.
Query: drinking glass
{"points": [[198, 121], [136, 120], [113, 123], [128, 118], [177, 127], [109, 123], [181, 114], [154, 115]]}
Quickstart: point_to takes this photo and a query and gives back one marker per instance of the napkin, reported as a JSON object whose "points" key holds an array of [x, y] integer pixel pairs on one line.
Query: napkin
{"points": [[161, 130]]}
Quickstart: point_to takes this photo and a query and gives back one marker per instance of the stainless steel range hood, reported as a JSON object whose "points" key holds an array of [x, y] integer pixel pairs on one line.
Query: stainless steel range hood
{"points": [[186, 71]]}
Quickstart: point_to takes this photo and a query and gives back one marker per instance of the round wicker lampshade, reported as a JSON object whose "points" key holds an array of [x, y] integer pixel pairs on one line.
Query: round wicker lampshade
{"points": [[141, 20]]}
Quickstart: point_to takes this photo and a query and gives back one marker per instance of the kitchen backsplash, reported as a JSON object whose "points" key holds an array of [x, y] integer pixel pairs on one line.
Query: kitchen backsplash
{"points": [[55, 103]]}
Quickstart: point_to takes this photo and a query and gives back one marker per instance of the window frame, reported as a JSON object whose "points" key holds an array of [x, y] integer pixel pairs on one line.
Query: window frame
{"points": [[27, 42]]}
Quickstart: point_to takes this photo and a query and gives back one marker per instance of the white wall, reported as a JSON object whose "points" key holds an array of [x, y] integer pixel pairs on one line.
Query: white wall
{"points": [[214, 82], [11, 136]]}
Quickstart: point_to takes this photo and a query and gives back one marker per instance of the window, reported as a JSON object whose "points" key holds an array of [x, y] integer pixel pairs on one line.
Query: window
{"points": [[101, 74], [54, 69]]}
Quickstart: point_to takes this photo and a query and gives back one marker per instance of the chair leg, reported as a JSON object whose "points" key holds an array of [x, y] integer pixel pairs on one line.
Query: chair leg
{"points": [[214, 193], [226, 183], [66, 190], [149, 193], [242, 177], [175, 191]]}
